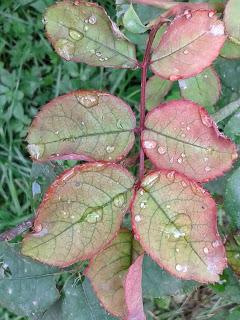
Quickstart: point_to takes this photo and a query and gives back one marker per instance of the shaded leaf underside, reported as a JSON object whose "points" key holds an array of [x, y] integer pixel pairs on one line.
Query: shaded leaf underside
{"points": [[84, 33], [180, 135], [190, 44], [175, 221], [81, 212], [108, 270], [83, 125]]}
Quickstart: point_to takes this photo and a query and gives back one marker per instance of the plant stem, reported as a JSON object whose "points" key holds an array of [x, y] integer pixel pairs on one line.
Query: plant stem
{"points": [[144, 66], [16, 231], [226, 111]]}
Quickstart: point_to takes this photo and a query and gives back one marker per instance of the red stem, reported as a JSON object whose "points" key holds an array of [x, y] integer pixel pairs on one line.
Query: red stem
{"points": [[145, 65]]}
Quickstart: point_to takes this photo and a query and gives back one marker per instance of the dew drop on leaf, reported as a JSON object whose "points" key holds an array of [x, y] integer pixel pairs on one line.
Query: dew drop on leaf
{"points": [[207, 169], [88, 101], [137, 218], [205, 250], [161, 150], [110, 149], [94, 216], [119, 200], [143, 205], [211, 14], [171, 175], [186, 52], [149, 144], [150, 180], [216, 243], [75, 35], [119, 124], [92, 20], [65, 48]]}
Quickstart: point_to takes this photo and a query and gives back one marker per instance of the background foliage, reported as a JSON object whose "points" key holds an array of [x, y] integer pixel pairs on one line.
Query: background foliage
{"points": [[31, 74]]}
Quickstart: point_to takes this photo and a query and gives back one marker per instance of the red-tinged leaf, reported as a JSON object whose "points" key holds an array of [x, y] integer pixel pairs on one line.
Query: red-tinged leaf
{"points": [[175, 220], [180, 135], [108, 270], [156, 90], [80, 214], [82, 32], [232, 20], [204, 89], [133, 291], [192, 42], [82, 125]]}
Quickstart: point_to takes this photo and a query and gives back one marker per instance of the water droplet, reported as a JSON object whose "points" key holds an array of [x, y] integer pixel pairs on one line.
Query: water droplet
{"points": [[150, 180], [161, 150], [178, 267], [98, 54], [186, 52], [177, 250], [188, 128], [205, 76], [205, 250], [143, 205], [36, 151], [34, 303], [75, 35], [207, 169], [102, 59], [44, 20], [205, 159], [88, 100], [188, 16], [183, 135], [72, 217], [168, 206], [92, 20], [94, 216], [171, 160], [119, 124], [85, 28], [119, 200], [182, 84], [110, 149], [237, 256], [184, 184], [217, 29], [174, 77], [149, 144], [171, 176], [183, 155], [206, 120], [56, 132], [216, 243], [137, 218], [69, 201], [211, 14], [65, 48], [10, 291], [179, 160]]}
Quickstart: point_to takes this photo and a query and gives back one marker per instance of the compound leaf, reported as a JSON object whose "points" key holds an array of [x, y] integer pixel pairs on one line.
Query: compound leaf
{"points": [[108, 270], [232, 20], [82, 32], [81, 212], [180, 135], [156, 90], [86, 125], [175, 220], [191, 43], [26, 287], [204, 88]]}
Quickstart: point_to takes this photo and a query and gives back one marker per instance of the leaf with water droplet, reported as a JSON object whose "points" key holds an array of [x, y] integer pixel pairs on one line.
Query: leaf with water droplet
{"points": [[232, 199], [231, 50], [24, 286], [184, 128], [204, 89], [82, 125], [132, 22], [176, 225], [156, 90], [79, 31], [108, 271], [197, 38], [232, 20], [78, 215]]}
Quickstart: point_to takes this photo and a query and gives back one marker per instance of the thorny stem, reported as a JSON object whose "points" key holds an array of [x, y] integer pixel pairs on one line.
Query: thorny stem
{"points": [[16, 231], [144, 66]]}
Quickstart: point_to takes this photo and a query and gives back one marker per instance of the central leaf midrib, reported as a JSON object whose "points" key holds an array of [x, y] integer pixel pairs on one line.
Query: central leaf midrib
{"points": [[172, 222], [84, 136]]}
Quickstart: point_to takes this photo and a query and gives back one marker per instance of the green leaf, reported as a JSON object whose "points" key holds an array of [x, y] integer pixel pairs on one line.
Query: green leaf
{"points": [[232, 199], [158, 283], [80, 214], [233, 252], [195, 37], [83, 32], [175, 221], [53, 313], [80, 303], [156, 90], [204, 89], [232, 128], [86, 125], [109, 269], [26, 287], [232, 20], [132, 22], [230, 50]]}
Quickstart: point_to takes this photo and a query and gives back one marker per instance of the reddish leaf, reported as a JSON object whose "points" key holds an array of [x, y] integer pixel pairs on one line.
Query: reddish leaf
{"points": [[191, 43], [232, 20], [82, 31], [133, 291], [107, 272], [175, 220], [80, 214], [180, 135], [83, 125]]}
